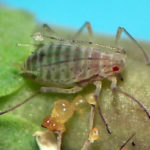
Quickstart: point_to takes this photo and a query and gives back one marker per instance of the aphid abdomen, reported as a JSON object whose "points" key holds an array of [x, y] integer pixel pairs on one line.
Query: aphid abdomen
{"points": [[63, 64]]}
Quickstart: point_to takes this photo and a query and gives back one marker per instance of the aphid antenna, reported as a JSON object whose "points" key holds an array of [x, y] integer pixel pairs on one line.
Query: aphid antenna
{"points": [[134, 99], [119, 50], [121, 148], [25, 45], [20, 104]]}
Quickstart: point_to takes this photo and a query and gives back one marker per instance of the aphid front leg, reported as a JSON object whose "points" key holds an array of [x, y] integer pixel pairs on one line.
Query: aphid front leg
{"points": [[113, 85], [98, 85], [89, 29], [118, 35], [115, 89]]}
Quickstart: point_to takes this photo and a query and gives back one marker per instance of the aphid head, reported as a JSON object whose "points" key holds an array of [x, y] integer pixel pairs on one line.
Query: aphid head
{"points": [[114, 64]]}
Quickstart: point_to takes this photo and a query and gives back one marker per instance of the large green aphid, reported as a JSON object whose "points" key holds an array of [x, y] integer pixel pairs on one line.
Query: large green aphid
{"points": [[67, 67]]}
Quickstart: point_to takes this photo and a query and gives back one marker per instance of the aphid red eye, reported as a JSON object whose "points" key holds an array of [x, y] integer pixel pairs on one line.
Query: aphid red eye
{"points": [[116, 68]]}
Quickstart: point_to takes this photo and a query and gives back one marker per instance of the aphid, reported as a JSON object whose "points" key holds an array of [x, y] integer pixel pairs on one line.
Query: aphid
{"points": [[67, 67], [62, 112]]}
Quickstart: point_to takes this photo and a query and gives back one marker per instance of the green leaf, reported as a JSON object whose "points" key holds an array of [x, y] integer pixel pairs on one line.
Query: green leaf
{"points": [[15, 27], [19, 130]]}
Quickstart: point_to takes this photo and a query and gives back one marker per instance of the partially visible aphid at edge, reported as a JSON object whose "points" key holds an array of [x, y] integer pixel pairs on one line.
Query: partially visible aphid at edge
{"points": [[67, 67]]}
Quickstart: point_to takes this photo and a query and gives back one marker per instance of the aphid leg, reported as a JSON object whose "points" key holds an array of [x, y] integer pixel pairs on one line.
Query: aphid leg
{"points": [[115, 89], [118, 35], [20, 104], [121, 148], [59, 140], [91, 122], [44, 90], [92, 114], [134, 99], [59, 90], [46, 31], [98, 85], [89, 29], [113, 85]]}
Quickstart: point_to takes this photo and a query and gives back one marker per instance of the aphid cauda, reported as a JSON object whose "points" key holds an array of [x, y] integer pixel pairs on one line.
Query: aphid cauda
{"points": [[66, 67]]}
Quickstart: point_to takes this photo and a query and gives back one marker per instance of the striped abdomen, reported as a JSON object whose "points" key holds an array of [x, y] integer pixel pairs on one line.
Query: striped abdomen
{"points": [[63, 64]]}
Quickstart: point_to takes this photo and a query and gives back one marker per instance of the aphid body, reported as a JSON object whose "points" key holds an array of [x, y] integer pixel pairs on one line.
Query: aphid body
{"points": [[66, 65]]}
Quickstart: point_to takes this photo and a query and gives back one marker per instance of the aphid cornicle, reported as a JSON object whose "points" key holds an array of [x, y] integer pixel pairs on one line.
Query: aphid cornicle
{"points": [[67, 67]]}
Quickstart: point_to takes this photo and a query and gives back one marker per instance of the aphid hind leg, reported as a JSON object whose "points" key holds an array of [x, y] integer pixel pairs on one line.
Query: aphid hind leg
{"points": [[89, 29], [98, 85], [60, 90], [118, 35]]}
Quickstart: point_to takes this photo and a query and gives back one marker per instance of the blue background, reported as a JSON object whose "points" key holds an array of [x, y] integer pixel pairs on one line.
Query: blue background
{"points": [[105, 15]]}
